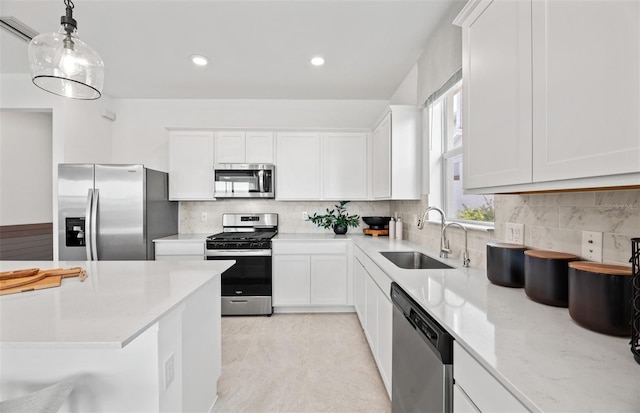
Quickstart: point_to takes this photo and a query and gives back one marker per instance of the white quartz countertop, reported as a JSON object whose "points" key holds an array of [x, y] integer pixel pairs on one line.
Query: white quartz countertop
{"points": [[329, 236], [117, 302], [184, 237], [538, 352]]}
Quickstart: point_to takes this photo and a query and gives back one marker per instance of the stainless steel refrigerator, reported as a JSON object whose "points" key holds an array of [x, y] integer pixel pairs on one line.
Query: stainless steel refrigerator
{"points": [[112, 212]]}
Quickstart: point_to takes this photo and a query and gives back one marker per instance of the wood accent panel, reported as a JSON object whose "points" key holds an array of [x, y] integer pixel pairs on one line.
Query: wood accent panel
{"points": [[596, 267], [28, 242]]}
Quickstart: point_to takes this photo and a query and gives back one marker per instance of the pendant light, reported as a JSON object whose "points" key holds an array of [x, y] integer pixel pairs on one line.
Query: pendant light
{"points": [[63, 64]]}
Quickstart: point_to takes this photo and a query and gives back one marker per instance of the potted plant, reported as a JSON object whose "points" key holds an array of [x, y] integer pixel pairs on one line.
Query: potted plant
{"points": [[337, 218]]}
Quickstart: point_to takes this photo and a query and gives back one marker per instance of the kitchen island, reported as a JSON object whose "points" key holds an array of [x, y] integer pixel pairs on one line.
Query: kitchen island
{"points": [[137, 336]]}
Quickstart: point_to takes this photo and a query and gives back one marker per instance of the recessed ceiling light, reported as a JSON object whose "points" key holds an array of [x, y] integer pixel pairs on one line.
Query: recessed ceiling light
{"points": [[317, 61], [199, 60]]}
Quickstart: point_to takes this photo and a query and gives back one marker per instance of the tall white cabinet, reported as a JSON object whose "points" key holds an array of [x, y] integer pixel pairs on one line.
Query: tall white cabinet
{"points": [[551, 94], [396, 154], [191, 165], [497, 89]]}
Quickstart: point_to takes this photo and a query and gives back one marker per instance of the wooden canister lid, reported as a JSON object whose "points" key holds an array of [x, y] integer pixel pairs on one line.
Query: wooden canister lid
{"points": [[505, 245], [550, 255], [600, 268]]}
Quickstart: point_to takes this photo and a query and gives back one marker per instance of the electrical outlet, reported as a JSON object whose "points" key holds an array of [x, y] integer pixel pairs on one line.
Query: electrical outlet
{"points": [[305, 215], [169, 371], [592, 245], [515, 233], [203, 216]]}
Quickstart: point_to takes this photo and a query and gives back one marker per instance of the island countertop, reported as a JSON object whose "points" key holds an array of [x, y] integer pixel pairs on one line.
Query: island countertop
{"points": [[117, 302]]}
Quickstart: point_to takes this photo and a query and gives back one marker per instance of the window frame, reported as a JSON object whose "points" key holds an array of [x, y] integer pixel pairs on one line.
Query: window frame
{"points": [[440, 154]]}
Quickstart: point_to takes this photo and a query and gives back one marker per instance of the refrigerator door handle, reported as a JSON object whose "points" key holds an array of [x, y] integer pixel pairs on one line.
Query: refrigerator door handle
{"points": [[87, 224], [94, 225]]}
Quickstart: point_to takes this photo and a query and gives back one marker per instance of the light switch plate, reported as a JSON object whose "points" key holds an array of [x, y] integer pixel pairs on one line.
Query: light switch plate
{"points": [[203, 216], [515, 233], [592, 245], [305, 215]]}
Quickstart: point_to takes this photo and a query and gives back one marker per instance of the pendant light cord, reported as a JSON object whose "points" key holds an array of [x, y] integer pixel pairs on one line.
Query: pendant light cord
{"points": [[67, 20]]}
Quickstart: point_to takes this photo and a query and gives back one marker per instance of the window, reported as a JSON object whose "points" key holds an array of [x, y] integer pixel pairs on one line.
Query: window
{"points": [[446, 164]]}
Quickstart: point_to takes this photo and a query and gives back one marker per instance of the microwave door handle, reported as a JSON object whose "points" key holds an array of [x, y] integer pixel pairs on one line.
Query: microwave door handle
{"points": [[261, 180]]}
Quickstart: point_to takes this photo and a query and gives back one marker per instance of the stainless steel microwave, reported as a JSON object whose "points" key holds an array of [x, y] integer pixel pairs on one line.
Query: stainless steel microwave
{"points": [[241, 180]]}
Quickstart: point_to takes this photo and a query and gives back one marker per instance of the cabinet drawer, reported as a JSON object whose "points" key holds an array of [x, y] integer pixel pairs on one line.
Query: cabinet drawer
{"points": [[358, 254], [486, 393], [180, 248], [309, 247], [179, 257], [381, 279]]}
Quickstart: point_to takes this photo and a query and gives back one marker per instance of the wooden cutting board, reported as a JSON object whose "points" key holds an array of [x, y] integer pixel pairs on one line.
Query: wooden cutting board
{"points": [[12, 282]]}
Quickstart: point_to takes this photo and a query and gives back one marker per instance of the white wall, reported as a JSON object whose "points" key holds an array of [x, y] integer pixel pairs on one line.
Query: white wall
{"points": [[25, 175], [140, 131], [442, 54], [79, 133], [407, 92]]}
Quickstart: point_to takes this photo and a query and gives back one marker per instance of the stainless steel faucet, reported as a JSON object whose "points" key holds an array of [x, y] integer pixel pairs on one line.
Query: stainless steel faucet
{"points": [[446, 250], [442, 220]]}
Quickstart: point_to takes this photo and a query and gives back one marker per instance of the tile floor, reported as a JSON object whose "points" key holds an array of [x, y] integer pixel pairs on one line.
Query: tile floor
{"points": [[300, 363]]}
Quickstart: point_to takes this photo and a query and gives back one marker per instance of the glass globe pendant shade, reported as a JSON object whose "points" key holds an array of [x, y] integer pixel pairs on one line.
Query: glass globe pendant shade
{"points": [[63, 64]]}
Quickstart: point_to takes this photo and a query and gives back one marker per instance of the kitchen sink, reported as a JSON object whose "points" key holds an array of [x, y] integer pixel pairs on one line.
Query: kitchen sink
{"points": [[414, 260]]}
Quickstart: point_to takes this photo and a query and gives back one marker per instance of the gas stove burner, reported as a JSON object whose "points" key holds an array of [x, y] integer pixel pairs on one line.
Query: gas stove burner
{"points": [[242, 236]]}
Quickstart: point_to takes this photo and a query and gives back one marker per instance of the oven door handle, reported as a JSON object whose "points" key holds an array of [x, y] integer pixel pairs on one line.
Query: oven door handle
{"points": [[238, 253]]}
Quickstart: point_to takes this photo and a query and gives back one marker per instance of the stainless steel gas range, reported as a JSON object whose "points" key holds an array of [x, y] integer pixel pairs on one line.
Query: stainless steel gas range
{"points": [[246, 238]]}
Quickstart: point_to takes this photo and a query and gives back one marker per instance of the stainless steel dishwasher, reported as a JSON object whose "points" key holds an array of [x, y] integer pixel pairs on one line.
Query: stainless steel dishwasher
{"points": [[422, 369]]}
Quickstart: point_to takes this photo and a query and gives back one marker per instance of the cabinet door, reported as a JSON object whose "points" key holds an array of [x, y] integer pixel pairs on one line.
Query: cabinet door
{"points": [[371, 313], [385, 337], [329, 279], [382, 159], [230, 147], [191, 165], [586, 87], [497, 94], [291, 280], [259, 147], [359, 275], [344, 166], [461, 402], [298, 173]]}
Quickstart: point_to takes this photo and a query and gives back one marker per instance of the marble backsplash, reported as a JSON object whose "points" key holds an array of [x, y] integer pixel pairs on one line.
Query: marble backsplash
{"points": [[289, 213], [552, 221]]}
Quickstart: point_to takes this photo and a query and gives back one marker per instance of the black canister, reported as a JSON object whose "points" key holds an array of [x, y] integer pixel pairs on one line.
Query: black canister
{"points": [[546, 276], [600, 297], [505, 264]]}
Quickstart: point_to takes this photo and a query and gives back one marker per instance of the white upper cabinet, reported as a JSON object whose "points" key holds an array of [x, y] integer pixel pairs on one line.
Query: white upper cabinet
{"points": [[396, 154], [382, 158], [497, 95], [586, 89], [344, 166], [259, 147], [191, 165], [551, 94], [298, 167], [243, 147]]}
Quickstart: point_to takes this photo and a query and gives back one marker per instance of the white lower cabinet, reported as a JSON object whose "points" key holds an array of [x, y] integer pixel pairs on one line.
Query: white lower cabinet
{"points": [[484, 392], [375, 311], [461, 402], [318, 279], [179, 250], [291, 280]]}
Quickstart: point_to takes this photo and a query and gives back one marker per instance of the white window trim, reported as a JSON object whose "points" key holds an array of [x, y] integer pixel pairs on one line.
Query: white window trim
{"points": [[436, 175]]}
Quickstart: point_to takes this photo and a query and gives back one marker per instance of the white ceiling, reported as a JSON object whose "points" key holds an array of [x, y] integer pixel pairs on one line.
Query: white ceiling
{"points": [[257, 49]]}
